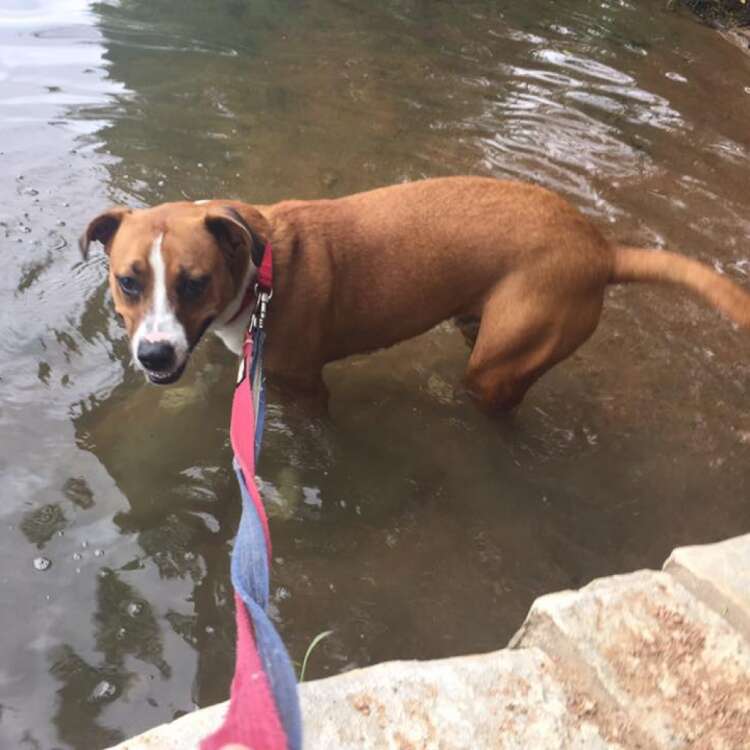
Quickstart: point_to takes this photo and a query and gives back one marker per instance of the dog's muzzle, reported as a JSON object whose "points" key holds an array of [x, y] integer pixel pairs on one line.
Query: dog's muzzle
{"points": [[159, 360]]}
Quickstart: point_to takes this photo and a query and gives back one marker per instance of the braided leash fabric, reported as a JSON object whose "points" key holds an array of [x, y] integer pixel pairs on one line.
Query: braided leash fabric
{"points": [[263, 709]]}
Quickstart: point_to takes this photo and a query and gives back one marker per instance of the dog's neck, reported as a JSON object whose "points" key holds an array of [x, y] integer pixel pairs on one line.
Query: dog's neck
{"points": [[232, 324], [234, 321]]}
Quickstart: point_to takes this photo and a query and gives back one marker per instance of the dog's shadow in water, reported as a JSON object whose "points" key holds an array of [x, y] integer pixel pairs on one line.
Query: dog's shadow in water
{"points": [[167, 449]]}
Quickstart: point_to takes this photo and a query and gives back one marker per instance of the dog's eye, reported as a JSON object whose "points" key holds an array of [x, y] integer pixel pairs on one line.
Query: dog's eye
{"points": [[130, 286], [191, 288]]}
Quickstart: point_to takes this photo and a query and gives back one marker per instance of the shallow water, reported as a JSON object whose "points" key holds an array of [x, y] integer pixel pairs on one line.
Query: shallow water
{"points": [[405, 521]]}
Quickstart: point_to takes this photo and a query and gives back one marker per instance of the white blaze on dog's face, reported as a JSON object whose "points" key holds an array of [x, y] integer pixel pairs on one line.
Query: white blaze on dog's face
{"points": [[173, 270], [160, 344]]}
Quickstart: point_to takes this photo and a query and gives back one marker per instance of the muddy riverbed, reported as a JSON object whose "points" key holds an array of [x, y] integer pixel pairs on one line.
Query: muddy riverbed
{"points": [[406, 522]]}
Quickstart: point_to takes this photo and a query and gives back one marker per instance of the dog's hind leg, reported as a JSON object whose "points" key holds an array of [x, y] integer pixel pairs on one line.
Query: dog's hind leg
{"points": [[523, 332]]}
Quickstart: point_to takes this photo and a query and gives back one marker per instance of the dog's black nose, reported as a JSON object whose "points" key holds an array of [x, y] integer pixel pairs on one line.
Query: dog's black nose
{"points": [[157, 356]]}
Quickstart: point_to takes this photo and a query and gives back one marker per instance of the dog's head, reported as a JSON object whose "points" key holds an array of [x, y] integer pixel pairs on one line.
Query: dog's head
{"points": [[173, 270]]}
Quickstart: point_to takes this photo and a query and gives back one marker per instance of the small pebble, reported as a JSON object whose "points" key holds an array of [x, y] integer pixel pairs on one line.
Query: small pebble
{"points": [[42, 563], [102, 691], [676, 77]]}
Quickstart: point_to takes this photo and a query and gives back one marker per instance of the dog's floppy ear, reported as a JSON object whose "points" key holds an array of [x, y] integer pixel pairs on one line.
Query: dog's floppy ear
{"points": [[235, 235], [102, 229]]}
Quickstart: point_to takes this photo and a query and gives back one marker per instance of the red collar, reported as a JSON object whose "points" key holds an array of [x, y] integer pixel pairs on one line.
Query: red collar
{"points": [[263, 283]]}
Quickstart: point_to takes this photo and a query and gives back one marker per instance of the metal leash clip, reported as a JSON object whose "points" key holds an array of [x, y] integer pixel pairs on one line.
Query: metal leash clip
{"points": [[262, 298]]}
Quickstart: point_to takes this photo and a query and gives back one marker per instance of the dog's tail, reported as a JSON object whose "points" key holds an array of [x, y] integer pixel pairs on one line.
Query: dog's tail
{"points": [[663, 267]]}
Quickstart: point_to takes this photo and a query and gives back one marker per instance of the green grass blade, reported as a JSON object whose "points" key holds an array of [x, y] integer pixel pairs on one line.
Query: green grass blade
{"points": [[318, 638]]}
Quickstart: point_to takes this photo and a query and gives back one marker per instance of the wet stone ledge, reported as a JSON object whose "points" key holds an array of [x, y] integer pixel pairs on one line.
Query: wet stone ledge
{"points": [[646, 660]]}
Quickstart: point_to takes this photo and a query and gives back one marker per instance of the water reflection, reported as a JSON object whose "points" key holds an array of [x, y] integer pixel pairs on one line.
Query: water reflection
{"points": [[124, 626], [181, 504], [41, 524], [404, 521]]}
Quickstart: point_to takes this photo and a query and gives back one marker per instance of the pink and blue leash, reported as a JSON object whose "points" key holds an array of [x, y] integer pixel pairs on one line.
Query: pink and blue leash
{"points": [[264, 711]]}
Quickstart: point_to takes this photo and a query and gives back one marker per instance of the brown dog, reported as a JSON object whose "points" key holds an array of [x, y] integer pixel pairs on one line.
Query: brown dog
{"points": [[366, 271]]}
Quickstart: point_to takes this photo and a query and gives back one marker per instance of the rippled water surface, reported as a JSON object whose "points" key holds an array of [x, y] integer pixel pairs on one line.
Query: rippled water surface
{"points": [[405, 522]]}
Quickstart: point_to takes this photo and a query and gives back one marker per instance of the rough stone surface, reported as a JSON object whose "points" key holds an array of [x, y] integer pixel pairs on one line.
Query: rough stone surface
{"points": [[507, 700], [646, 661], [680, 671], [719, 575], [504, 700], [184, 733]]}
